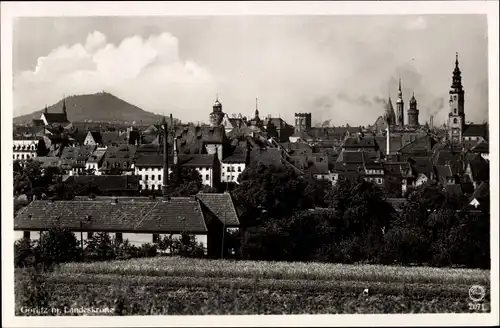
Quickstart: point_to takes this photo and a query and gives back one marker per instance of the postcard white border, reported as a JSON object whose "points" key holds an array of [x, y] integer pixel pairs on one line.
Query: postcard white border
{"points": [[9, 10]]}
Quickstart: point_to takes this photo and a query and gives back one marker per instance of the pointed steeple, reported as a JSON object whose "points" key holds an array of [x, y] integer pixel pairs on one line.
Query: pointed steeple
{"points": [[400, 93], [457, 76], [256, 107], [64, 105]]}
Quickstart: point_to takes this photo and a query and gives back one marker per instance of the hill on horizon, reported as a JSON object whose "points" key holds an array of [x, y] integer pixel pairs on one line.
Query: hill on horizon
{"points": [[98, 107]]}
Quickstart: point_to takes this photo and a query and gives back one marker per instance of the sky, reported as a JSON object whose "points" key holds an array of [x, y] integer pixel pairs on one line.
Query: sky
{"points": [[339, 68]]}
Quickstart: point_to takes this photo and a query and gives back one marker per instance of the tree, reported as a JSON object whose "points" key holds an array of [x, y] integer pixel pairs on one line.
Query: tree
{"points": [[101, 247], [365, 215], [24, 253], [184, 181], [57, 245], [272, 192]]}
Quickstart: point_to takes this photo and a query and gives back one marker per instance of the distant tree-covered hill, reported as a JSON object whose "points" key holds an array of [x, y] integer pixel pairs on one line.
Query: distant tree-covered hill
{"points": [[98, 107]]}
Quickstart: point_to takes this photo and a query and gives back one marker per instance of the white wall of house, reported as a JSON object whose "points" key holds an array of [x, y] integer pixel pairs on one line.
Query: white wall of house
{"points": [[151, 178], [486, 156], [207, 175], [24, 149], [136, 239], [89, 140], [231, 171]]}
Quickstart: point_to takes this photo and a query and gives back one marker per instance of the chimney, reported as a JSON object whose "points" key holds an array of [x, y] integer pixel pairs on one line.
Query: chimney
{"points": [[431, 123], [165, 158], [176, 152], [388, 138]]}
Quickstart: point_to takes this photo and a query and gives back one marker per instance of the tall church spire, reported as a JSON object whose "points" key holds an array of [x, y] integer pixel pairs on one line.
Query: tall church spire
{"points": [[256, 107], [64, 105], [400, 107]]}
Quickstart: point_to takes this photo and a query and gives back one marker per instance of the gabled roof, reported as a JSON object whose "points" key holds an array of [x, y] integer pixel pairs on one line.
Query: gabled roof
{"points": [[395, 142], [422, 165], [173, 216], [221, 205], [318, 168], [346, 156], [56, 118], [360, 142], [302, 135], [481, 147], [454, 189], [48, 161], [480, 169], [482, 192], [475, 130], [97, 136]]}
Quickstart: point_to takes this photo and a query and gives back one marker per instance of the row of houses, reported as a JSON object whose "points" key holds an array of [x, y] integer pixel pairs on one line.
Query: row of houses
{"points": [[140, 220]]}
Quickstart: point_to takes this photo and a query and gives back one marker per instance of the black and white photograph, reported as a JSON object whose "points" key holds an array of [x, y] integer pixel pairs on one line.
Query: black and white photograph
{"points": [[260, 162]]}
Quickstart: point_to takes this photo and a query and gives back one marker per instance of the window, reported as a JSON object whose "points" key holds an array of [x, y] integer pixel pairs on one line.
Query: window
{"points": [[207, 177], [119, 236], [152, 177], [153, 187], [90, 235], [239, 168], [156, 238], [146, 187], [159, 177], [455, 120], [146, 177], [379, 180], [26, 234], [22, 156]]}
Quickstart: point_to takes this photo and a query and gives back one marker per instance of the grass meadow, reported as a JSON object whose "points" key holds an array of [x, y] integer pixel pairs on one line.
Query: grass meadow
{"points": [[181, 286]]}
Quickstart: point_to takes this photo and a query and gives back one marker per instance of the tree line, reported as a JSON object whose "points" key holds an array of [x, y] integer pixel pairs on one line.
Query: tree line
{"points": [[287, 217]]}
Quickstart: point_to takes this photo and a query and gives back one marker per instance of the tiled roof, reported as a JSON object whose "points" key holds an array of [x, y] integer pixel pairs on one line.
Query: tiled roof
{"points": [[454, 189], [97, 155], [198, 160], [56, 118], [108, 182], [318, 168], [442, 157], [350, 157], [97, 136], [48, 161], [480, 169], [302, 135], [475, 130], [397, 168], [481, 147], [221, 205], [422, 165], [396, 143], [238, 156], [482, 191], [443, 172], [173, 216], [374, 166], [279, 123], [359, 142], [113, 137], [270, 156]]}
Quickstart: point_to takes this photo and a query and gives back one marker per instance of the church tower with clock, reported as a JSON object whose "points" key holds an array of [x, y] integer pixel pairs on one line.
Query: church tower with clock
{"points": [[456, 117]]}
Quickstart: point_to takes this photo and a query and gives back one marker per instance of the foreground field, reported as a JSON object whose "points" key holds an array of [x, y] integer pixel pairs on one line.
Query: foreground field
{"points": [[166, 285]]}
